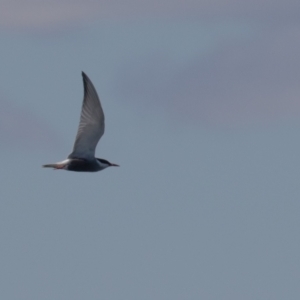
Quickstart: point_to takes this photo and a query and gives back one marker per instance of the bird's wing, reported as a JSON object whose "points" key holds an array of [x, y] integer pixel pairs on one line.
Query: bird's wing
{"points": [[91, 125]]}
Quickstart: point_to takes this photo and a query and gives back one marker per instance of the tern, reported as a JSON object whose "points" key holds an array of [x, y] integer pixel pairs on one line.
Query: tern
{"points": [[90, 130]]}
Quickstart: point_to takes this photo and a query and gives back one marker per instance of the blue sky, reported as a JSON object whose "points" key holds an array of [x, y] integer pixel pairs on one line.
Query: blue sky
{"points": [[202, 114]]}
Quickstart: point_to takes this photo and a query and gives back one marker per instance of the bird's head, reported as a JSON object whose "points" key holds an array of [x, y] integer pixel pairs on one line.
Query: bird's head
{"points": [[105, 163]]}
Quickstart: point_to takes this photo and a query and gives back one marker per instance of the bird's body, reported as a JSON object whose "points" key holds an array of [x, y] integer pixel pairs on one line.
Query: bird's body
{"points": [[91, 128]]}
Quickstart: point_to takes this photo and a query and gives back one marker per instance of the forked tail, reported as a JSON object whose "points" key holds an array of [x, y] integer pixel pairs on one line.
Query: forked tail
{"points": [[50, 166], [54, 166]]}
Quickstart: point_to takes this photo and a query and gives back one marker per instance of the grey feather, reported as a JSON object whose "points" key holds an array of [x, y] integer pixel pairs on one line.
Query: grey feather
{"points": [[91, 125]]}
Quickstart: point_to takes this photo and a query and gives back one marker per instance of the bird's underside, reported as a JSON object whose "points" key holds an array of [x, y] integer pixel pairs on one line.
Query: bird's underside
{"points": [[77, 165]]}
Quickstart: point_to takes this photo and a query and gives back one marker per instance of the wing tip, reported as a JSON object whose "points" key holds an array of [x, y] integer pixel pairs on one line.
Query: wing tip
{"points": [[83, 75], [86, 80]]}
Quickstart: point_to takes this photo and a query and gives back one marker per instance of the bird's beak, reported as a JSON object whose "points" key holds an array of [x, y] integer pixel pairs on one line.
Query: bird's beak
{"points": [[114, 165]]}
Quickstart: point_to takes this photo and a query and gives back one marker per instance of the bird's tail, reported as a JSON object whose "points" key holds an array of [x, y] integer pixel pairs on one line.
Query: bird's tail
{"points": [[54, 166], [59, 165]]}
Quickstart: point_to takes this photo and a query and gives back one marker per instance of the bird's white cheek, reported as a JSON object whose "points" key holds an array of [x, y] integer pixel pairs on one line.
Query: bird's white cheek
{"points": [[102, 166]]}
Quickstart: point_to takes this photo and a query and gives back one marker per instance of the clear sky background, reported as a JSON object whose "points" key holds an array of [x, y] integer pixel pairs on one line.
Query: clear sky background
{"points": [[202, 104]]}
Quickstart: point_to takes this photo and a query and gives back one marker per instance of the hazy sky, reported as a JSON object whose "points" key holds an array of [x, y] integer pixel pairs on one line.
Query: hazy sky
{"points": [[202, 105]]}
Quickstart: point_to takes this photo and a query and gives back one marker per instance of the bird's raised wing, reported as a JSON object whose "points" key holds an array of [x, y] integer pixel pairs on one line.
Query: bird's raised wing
{"points": [[91, 125]]}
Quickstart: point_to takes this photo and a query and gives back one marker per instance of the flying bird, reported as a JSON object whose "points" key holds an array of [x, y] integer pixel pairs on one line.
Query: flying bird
{"points": [[90, 130]]}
